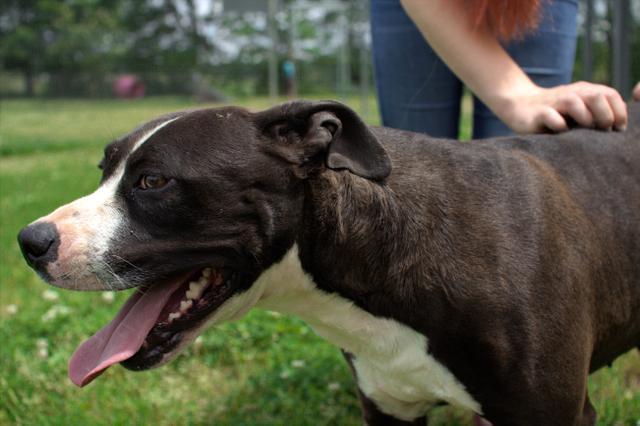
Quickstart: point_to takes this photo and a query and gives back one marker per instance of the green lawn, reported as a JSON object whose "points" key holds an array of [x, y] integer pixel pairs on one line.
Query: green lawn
{"points": [[264, 369]]}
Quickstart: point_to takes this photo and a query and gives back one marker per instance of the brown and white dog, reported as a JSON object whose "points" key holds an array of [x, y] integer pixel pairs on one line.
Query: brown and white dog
{"points": [[493, 275]]}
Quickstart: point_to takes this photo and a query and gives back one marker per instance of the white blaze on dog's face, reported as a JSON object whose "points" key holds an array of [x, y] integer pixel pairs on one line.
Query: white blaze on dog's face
{"points": [[85, 228]]}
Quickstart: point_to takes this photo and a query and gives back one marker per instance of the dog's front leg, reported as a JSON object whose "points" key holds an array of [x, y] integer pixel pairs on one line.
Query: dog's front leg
{"points": [[371, 414], [374, 417]]}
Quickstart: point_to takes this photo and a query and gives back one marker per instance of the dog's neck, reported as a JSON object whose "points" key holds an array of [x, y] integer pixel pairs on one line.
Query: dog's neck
{"points": [[287, 288], [358, 240]]}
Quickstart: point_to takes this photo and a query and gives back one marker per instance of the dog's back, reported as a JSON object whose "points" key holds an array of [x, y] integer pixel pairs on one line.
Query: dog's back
{"points": [[570, 204], [600, 175]]}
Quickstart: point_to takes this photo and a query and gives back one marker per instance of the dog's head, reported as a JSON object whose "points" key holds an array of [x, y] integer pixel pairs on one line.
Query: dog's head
{"points": [[192, 208]]}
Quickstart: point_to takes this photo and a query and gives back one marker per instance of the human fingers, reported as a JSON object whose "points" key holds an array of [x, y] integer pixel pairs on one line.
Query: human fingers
{"points": [[605, 103], [602, 112], [573, 105], [619, 108], [550, 119]]}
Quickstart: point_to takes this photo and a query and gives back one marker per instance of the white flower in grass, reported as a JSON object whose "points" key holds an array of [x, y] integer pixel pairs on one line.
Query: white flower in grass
{"points": [[285, 375], [11, 309], [43, 348], [108, 296], [333, 386], [54, 312], [297, 363], [50, 295]]}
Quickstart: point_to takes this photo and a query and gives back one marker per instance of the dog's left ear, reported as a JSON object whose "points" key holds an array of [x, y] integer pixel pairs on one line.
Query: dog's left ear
{"points": [[311, 133]]}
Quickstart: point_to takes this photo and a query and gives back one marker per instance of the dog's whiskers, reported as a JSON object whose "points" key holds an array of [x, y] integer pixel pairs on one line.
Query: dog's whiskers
{"points": [[114, 275], [127, 262]]}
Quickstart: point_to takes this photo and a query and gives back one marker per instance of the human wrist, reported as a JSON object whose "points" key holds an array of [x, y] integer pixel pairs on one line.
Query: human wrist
{"points": [[506, 101]]}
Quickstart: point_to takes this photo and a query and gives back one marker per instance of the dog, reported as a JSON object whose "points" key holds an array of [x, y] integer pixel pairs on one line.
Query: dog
{"points": [[492, 275]]}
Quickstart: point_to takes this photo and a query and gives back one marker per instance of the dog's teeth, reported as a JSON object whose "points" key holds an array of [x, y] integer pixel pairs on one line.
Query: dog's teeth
{"points": [[191, 293], [195, 289], [185, 305], [203, 281], [174, 316], [206, 272]]}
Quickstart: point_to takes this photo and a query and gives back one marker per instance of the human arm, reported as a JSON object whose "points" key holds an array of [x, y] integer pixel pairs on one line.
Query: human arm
{"points": [[474, 54], [636, 92]]}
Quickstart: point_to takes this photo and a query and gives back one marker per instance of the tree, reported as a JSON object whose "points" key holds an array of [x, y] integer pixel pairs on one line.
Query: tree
{"points": [[55, 36], [24, 26], [166, 33]]}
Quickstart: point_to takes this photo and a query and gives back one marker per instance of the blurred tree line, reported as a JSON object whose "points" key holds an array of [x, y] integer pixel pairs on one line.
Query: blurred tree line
{"points": [[76, 47]]}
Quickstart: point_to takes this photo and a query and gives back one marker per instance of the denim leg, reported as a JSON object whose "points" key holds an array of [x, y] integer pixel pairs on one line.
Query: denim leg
{"points": [[546, 55], [416, 90]]}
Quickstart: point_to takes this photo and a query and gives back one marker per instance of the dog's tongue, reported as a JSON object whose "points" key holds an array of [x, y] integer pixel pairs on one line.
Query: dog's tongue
{"points": [[122, 337]]}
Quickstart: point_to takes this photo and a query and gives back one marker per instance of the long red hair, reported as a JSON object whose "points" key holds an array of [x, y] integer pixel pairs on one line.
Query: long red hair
{"points": [[507, 19]]}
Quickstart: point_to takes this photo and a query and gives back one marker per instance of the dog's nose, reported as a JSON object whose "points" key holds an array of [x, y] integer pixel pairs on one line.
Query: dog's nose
{"points": [[38, 243]]}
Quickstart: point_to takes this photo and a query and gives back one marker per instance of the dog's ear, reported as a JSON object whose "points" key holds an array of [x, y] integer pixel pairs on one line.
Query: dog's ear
{"points": [[310, 134]]}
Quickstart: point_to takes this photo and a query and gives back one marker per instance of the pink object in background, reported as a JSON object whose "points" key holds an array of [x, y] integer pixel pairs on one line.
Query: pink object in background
{"points": [[128, 86]]}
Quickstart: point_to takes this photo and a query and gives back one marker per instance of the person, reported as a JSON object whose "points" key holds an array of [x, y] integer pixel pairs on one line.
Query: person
{"points": [[516, 56], [289, 71], [636, 92]]}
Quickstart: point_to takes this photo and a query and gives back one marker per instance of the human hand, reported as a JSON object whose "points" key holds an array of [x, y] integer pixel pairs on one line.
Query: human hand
{"points": [[536, 109], [636, 92]]}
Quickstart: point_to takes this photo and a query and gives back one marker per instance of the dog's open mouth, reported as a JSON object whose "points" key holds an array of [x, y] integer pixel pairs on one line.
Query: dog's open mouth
{"points": [[152, 323]]}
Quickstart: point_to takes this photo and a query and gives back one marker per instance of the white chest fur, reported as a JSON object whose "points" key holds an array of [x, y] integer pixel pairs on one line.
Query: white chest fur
{"points": [[393, 366]]}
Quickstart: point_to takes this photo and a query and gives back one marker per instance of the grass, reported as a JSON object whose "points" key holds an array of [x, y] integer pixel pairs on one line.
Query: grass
{"points": [[264, 369]]}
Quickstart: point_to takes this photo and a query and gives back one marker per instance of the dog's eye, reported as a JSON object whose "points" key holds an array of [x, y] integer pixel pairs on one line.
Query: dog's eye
{"points": [[152, 182]]}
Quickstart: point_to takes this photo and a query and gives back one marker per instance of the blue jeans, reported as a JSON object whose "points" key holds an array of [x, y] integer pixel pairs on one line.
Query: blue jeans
{"points": [[418, 92]]}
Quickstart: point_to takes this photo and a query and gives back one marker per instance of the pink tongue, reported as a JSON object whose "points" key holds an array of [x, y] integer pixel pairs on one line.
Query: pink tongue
{"points": [[122, 337]]}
